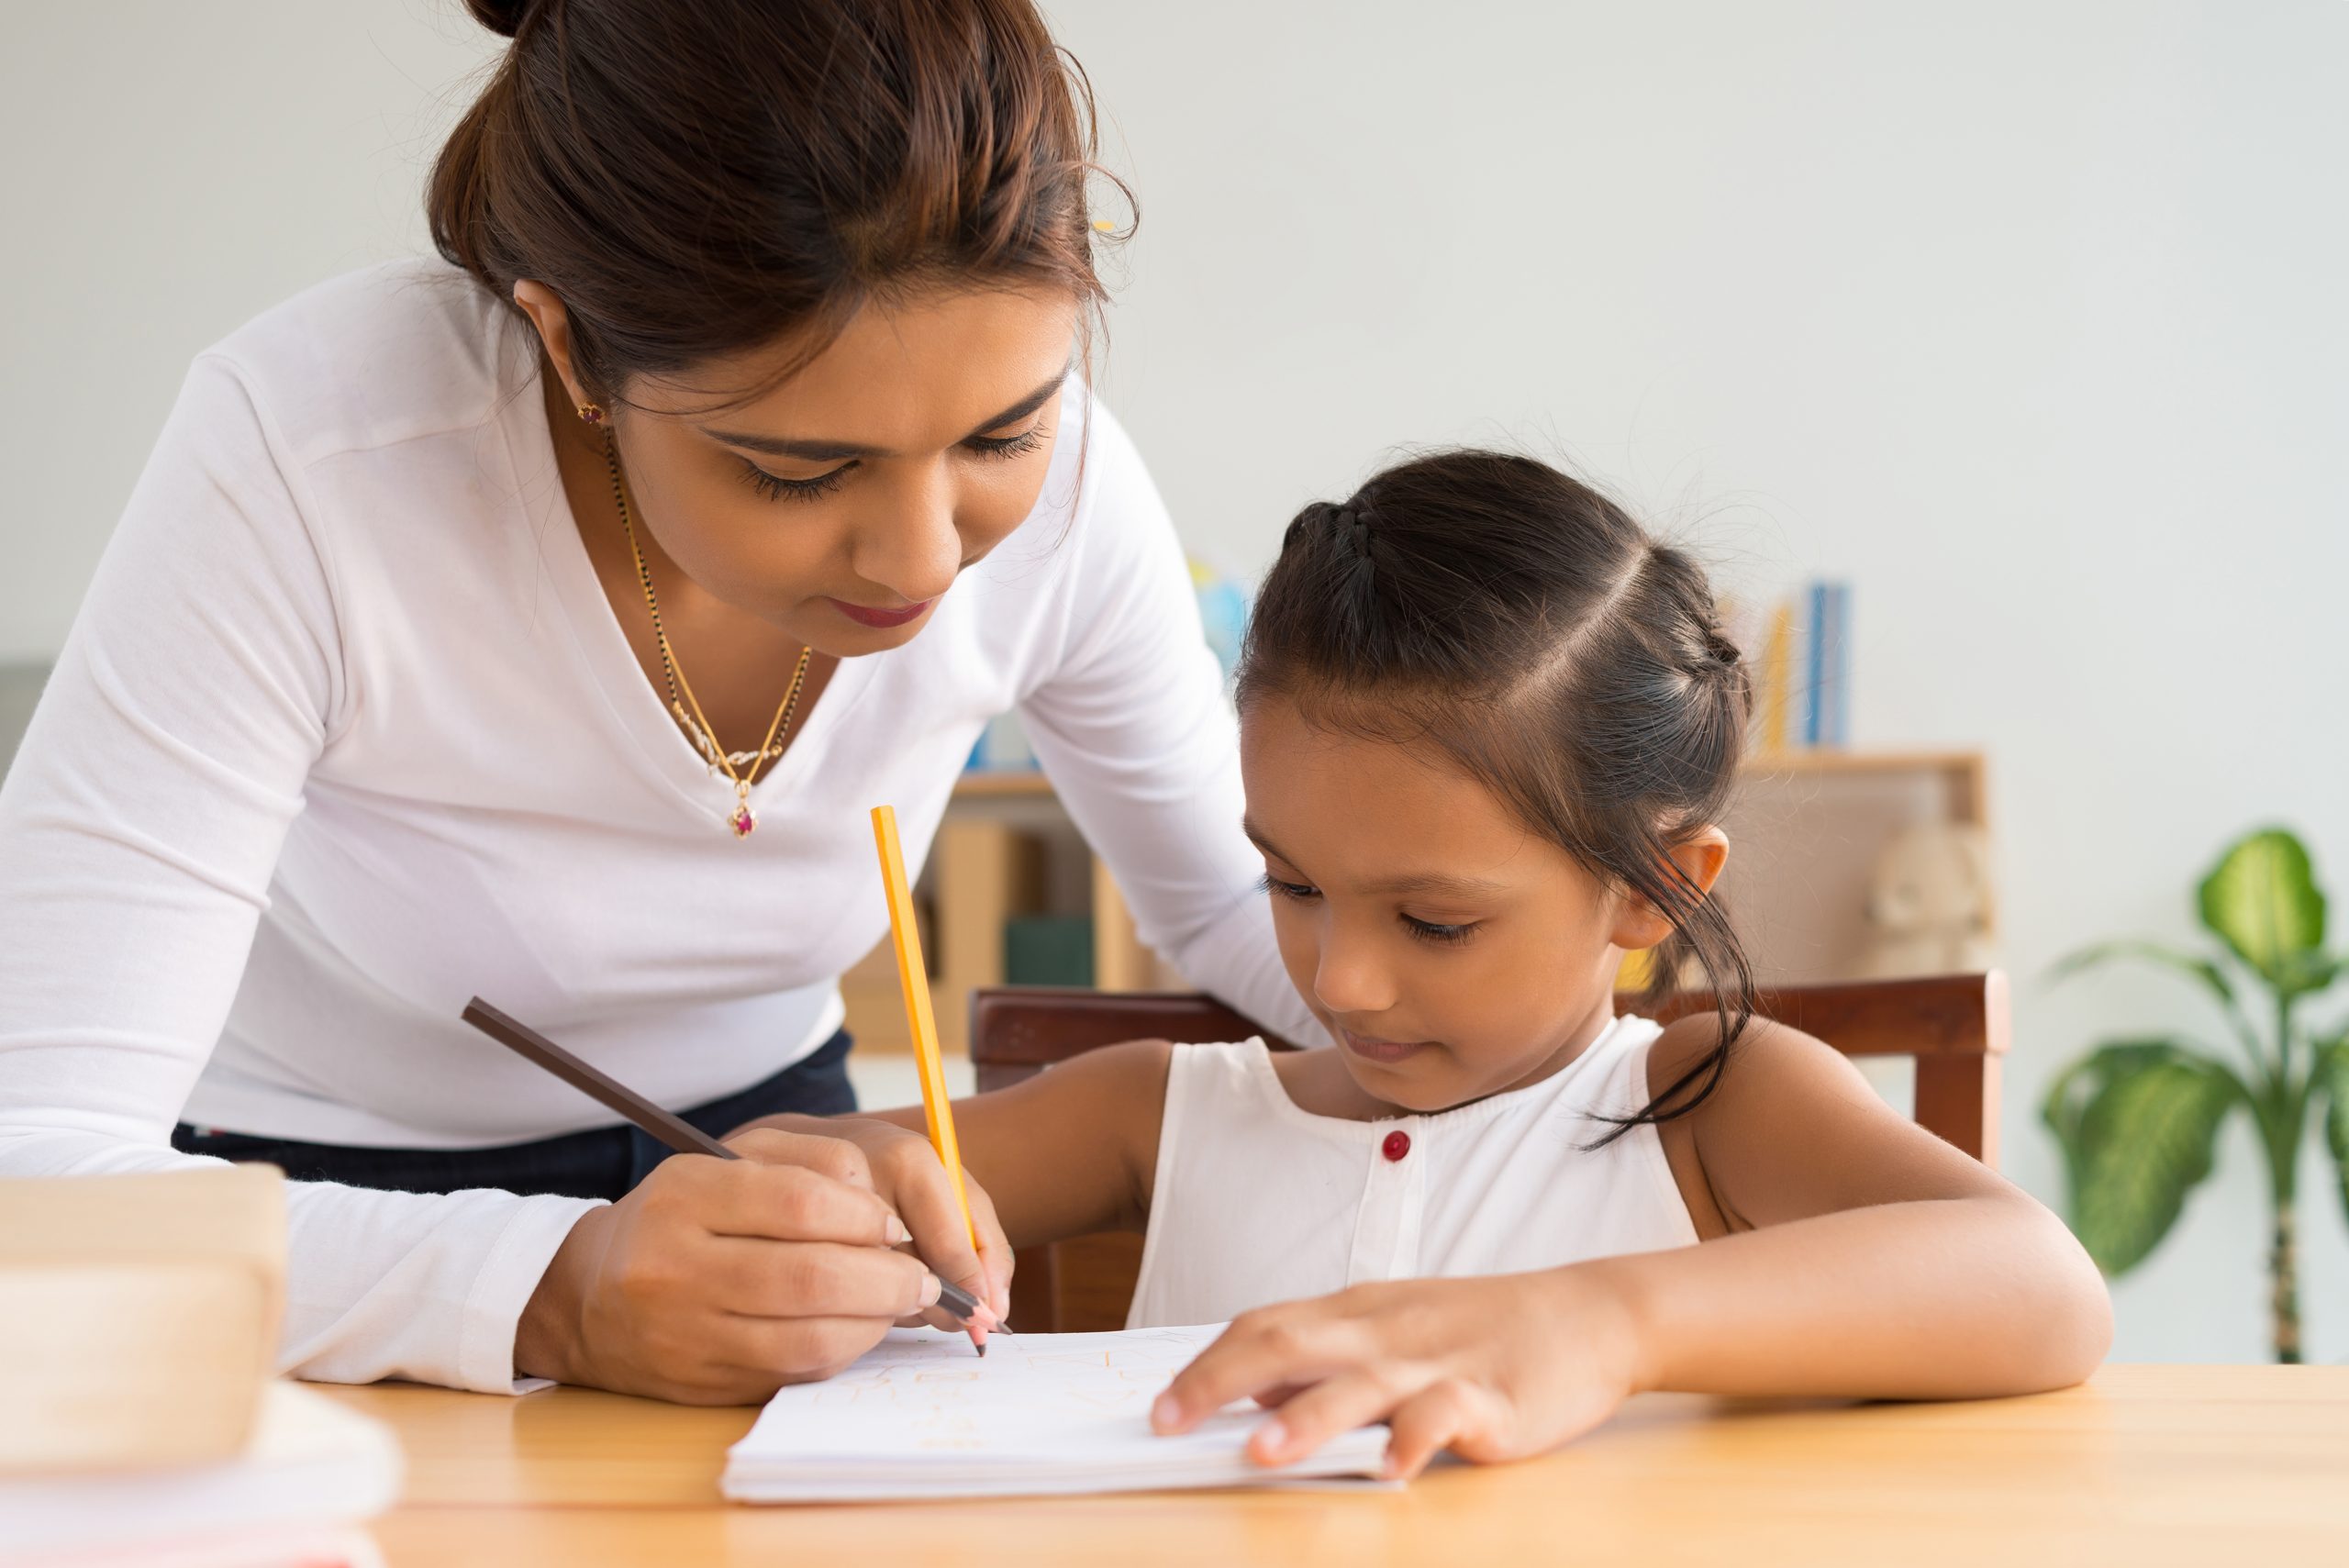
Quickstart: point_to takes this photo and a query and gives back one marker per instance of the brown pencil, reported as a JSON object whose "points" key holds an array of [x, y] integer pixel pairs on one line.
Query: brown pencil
{"points": [[682, 1136]]}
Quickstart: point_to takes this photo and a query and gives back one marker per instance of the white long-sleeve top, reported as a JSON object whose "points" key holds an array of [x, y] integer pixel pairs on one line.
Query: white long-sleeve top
{"points": [[347, 732]]}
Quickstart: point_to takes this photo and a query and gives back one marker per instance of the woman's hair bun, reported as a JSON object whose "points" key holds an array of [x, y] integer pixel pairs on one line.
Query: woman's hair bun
{"points": [[501, 16]]}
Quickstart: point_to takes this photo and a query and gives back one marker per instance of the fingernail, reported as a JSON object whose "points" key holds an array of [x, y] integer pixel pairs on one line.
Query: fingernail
{"points": [[1271, 1438], [1166, 1412], [929, 1290], [898, 1234]]}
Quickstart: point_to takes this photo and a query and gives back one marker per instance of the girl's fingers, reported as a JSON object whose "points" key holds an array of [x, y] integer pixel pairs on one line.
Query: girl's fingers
{"points": [[1273, 1398], [1425, 1424], [1327, 1409], [1274, 1346], [926, 1202], [994, 1250]]}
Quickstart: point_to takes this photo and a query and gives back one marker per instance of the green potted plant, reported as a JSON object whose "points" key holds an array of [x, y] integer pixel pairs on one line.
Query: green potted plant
{"points": [[2139, 1119]]}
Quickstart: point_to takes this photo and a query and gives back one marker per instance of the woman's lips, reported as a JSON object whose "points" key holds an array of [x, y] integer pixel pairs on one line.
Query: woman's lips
{"points": [[1372, 1049], [866, 616]]}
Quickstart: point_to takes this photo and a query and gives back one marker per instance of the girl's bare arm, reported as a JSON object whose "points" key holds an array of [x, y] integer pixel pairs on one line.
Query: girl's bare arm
{"points": [[1848, 1253], [1068, 1152]]}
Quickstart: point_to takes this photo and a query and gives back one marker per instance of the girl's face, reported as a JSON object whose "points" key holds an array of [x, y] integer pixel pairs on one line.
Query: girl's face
{"points": [[841, 503], [1450, 952]]}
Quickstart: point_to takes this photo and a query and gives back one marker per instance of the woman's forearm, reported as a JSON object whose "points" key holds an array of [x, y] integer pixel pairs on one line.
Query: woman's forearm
{"points": [[1949, 1298]]}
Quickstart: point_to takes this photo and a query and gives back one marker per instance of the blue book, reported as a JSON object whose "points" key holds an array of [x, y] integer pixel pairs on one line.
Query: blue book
{"points": [[1813, 692], [1830, 664]]}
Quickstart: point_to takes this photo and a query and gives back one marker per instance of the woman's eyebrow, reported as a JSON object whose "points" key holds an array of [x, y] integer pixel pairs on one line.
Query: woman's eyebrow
{"points": [[816, 449]]}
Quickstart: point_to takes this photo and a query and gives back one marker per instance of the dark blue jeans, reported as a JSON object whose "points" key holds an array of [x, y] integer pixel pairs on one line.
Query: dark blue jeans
{"points": [[605, 1162]]}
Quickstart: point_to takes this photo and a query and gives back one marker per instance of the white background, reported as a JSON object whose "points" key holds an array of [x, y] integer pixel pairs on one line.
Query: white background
{"points": [[2030, 318]]}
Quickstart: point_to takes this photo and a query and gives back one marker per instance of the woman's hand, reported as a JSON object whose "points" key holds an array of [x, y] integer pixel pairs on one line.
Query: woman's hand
{"points": [[1495, 1369], [717, 1281], [905, 1171]]}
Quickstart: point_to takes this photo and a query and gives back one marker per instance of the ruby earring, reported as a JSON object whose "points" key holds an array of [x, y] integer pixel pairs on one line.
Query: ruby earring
{"points": [[593, 413]]}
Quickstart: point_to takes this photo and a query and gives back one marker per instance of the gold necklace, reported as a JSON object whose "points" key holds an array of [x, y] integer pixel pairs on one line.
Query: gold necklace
{"points": [[697, 727]]}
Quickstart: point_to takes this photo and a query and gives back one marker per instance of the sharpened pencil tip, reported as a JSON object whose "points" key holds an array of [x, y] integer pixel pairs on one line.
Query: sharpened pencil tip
{"points": [[982, 1347]]}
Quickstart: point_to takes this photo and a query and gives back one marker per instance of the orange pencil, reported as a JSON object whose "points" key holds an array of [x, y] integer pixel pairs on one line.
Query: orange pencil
{"points": [[914, 976]]}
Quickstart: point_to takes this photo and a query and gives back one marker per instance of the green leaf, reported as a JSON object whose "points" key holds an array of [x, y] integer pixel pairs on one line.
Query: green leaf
{"points": [[2332, 1072], [2192, 965], [2262, 900], [2138, 1121]]}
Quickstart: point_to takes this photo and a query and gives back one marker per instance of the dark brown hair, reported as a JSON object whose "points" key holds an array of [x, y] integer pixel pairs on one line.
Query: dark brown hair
{"points": [[1523, 626], [693, 178]]}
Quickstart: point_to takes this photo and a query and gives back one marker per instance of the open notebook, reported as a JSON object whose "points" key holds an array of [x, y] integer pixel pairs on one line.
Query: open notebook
{"points": [[921, 1416]]}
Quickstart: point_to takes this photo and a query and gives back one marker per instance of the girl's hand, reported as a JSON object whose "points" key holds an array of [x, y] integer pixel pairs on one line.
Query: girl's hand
{"points": [[904, 1171], [1495, 1369]]}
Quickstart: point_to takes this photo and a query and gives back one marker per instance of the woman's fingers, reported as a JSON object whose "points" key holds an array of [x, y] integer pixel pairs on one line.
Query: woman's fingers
{"points": [[814, 1279], [1262, 1350], [792, 1349], [780, 1203], [833, 1157]]}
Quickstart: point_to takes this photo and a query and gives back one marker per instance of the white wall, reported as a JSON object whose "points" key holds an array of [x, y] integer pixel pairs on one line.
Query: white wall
{"points": [[172, 169], [2029, 317]]}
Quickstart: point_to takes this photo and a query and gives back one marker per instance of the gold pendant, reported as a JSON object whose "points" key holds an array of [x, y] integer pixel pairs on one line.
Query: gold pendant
{"points": [[744, 821]]}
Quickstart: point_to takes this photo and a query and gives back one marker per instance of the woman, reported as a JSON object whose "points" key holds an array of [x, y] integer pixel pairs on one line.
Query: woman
{"points": [[543, 627]]}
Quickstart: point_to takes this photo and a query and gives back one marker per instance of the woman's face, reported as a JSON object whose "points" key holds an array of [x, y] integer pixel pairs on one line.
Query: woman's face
{"points": [[843, 503]]}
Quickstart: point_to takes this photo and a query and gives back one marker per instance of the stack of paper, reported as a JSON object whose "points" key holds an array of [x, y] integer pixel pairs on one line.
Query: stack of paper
{"points": [[310, 1469], [924, 1417], [140, 1315]]}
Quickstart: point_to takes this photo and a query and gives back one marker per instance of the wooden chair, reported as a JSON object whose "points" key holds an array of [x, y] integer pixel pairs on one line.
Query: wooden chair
{"points": [[1956, 1027]]}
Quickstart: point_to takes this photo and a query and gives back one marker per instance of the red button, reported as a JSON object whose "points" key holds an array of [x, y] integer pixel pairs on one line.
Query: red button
{"points": [[1397, 1144]]}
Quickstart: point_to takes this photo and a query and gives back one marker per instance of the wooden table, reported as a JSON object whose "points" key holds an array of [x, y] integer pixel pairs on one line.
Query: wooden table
{"points": [[2220, 1467]]}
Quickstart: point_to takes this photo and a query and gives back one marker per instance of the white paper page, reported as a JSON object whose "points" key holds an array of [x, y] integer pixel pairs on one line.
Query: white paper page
{"points": [[924, 1415]]}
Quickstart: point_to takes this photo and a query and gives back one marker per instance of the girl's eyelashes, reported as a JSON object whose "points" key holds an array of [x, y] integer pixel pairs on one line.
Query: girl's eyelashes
{"points": [[1429, 931], [775, 487], [1280, 889], [1424, 930]]}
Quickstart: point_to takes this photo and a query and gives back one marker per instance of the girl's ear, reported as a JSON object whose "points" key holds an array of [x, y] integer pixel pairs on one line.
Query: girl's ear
{"points": [[1699, 856]]}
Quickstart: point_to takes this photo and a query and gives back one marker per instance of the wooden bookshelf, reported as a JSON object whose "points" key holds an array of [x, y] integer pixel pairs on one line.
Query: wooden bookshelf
{"points": [[1005, 848], [1805, 833]]}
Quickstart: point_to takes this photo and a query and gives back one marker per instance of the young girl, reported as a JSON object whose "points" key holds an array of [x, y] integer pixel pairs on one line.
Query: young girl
{"points": [[1488, 730]]}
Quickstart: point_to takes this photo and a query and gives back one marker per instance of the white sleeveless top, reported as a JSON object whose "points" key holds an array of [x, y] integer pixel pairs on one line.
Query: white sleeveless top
{"points": [[1257, 1201]]}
